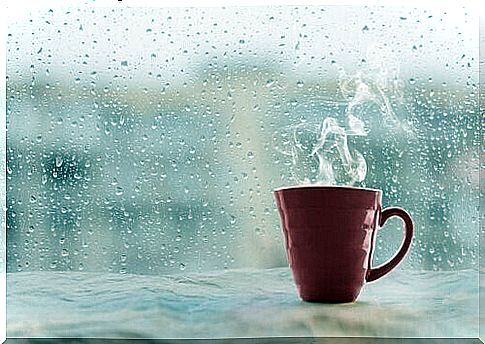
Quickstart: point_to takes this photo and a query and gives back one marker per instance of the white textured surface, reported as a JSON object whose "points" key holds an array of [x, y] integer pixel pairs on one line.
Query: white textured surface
{"points": [[237, 303]]}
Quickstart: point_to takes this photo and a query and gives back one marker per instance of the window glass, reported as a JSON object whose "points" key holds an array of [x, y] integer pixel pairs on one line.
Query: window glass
{"points": [[149, 140]]}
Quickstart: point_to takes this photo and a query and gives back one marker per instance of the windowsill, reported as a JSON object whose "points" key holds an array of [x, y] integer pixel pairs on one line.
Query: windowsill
{"points": [[235, 303]]}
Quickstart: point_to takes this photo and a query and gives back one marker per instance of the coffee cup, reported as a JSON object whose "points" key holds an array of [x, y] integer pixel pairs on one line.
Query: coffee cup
{"points": [[330, 234]]}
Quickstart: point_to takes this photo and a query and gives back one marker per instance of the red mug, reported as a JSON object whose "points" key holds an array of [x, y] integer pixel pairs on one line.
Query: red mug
{"points": [[330, 233]]}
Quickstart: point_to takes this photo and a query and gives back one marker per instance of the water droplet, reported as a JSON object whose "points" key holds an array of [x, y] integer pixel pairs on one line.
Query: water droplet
{"points": [[119, 191], [270, 83]]}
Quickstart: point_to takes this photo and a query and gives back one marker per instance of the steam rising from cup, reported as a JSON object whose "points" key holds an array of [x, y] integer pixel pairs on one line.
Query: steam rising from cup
{"points": [[353, 167], [321, 154]]}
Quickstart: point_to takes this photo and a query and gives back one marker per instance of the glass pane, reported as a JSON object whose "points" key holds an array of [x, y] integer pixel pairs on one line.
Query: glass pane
{"points": [[150, 140]]}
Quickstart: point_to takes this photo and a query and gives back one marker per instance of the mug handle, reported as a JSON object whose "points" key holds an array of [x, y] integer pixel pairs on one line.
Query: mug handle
{"points": [[375, 273]]}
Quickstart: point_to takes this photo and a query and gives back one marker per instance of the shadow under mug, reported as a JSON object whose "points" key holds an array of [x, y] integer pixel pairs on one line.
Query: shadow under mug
{"points": [[330, 233]]}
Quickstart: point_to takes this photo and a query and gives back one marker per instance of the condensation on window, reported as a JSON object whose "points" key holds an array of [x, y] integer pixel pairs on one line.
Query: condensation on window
{"points": [[149, 140]]}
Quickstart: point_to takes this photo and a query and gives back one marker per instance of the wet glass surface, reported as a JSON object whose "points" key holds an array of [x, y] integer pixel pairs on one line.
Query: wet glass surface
{"points": [[149, 140]]}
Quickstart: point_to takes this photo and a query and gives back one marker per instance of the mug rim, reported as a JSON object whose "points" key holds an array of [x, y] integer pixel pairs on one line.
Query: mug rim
{"points": [[313, 186]]}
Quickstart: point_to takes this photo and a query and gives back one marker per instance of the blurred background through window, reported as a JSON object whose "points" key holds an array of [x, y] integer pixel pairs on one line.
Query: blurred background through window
{"points": [[149, 140]]}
